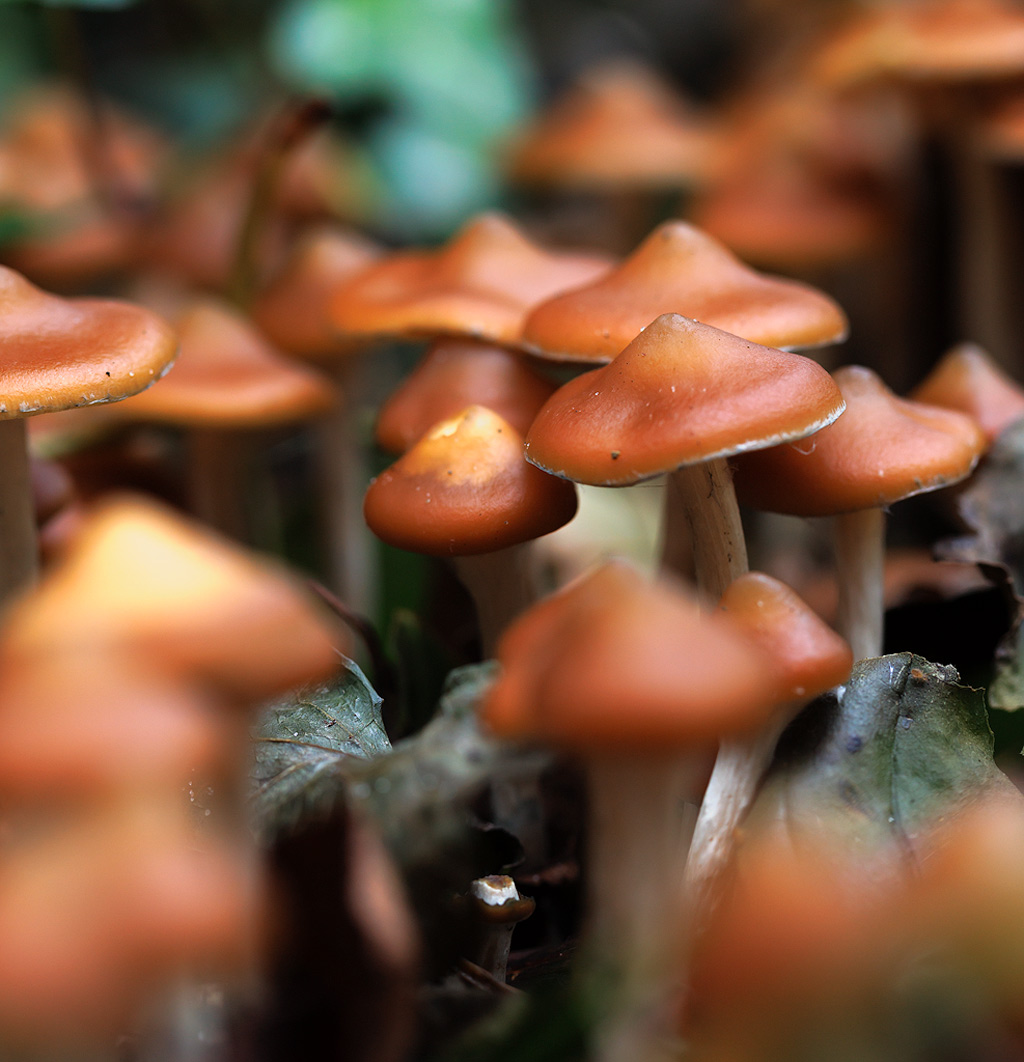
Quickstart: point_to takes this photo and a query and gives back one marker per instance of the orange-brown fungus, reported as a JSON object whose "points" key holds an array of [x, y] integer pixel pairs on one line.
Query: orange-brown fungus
{"points": [[465, 488], [881, 450], [679, 269], [680, 393]]}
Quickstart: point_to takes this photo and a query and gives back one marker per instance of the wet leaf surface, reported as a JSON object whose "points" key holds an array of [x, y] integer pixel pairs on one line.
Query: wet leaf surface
{"points": [[902, 746]]}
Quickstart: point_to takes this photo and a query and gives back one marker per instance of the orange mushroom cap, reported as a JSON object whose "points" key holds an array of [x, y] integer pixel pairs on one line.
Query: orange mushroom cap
{"points": [[141, 580], [679, 269], [969, 380], [57, 353], [680, 393], [227, 375], [615, 662], [455, 374], [806, 654], [480, 284], [882, 449], [464, 488], [621, 126], [293, 309]]}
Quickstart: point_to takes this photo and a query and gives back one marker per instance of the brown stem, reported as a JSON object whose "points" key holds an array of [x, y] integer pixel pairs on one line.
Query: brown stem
{"points": [[860, 568], [501, 586], [218, 472], [19, 549]]}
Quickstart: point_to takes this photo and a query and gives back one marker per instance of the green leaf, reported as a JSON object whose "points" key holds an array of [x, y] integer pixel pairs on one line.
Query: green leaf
{"points": [[305, 745], [901, 746]]}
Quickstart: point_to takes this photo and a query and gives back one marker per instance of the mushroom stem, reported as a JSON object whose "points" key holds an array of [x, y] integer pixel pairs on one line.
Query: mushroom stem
{"points": [[704, 494], [634, 866], [739, 768], [19, 550], [217, 479], [501, 585], [860, 567]]}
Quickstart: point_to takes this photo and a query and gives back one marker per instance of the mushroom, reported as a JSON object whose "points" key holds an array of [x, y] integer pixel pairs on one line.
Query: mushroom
{"points": [[500, 908], [882, 449]]}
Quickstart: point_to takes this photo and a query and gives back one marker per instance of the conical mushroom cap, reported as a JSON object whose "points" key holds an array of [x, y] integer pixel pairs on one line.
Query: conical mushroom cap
{"points": [[455, 374], [882, 449], [620, 127], [58, 353], [969, 380], [680, 393], [807, 656], [679, 269], [480, 285], [294, 309], [614, 662], [228, 376], [182, 601], [465, 488]]}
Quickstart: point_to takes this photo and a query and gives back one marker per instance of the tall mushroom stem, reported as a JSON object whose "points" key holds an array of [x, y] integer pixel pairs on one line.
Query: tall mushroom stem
{"points": [[218, 474], [860, 567], [19, 550], [704, 494], [636, 853], [501, 585]]}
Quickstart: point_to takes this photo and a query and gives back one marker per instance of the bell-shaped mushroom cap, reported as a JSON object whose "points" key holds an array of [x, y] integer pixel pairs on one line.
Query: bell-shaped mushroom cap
{"points": [[74, 725], [882, 449], [679, 269], [465, 488], [455, 374], [480, 284], [620, 127], [968, 379], [614, 662], [227, 375], [807, 656], [680, 393], [294, 309], [141, 580], [927, 41], [58, 353]]}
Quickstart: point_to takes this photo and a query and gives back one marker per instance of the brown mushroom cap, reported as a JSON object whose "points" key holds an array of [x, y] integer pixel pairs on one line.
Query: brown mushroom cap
{"points": [[969, 380], [293, 310], [57, 353], [227, 375], [679, 269], [882, 449], [480, 284], [680, 393], [807, 656], [455, 374], [619, 127], [614, 662], [183, 602], [465, 488]]}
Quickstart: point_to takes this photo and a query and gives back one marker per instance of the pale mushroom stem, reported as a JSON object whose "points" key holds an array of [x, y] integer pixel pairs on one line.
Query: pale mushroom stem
{"points": [[501, 585], [704, 494], [739, 768], [860, 568], [19, 549], [636, 849]]}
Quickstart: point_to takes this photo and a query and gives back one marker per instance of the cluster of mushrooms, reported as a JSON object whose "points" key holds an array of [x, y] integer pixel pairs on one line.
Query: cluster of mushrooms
{"points": [[131, 667]]}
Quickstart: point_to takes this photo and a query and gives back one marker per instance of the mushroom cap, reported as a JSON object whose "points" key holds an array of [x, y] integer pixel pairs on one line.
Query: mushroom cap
{"points": [[680, 393], [141, 580], [882, 449], [621, 126], [480, 284], [464, 488], [455, 374], [969, 380], [807, 656], [58, 353], [293, 309], [679, 269], [228, 376], [613, 662]]}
